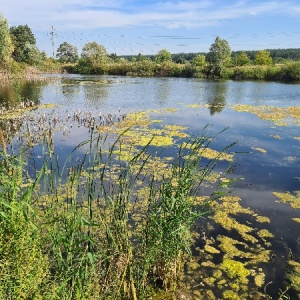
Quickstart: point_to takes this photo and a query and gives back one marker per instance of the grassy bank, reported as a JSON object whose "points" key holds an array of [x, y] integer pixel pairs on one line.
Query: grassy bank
{"points": [[287, 72]]}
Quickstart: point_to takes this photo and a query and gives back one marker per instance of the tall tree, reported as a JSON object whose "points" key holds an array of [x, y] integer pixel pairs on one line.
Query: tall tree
{"points": [[241, 59], [263, 57], [94, 52], [162, 56], [94, 58], [67, 53], [6, 46], [24, 43], [199, 60], [219, 56]]}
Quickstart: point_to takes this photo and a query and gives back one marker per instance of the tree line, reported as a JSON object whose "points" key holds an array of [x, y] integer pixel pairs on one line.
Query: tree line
{"points": [[18, 46]]}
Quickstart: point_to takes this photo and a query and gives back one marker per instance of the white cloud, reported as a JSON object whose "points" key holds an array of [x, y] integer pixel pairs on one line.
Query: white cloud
{"points": [[70, 14]]}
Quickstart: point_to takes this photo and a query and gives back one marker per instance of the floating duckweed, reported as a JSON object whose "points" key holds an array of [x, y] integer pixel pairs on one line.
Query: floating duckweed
{"points": [[222, 282], [227, 245], [287, 197], [230, 198], [193, 265], [235, 270], [259, 149], [230, 295], [211, 249], [262, 219], [259, 279], [217, 274], [208, 264], [276, 136], [212, 177], [194, 105], [264, 233], [213, 154], [229, 224], [277, 115], [209, 281], [158, 141]]}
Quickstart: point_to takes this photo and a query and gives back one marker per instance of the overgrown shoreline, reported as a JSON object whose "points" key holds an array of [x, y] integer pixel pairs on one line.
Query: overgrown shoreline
{"points": [[118, 221]]}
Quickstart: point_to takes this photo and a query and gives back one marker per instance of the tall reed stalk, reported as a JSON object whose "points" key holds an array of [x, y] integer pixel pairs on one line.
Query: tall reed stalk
{"points": [[101, 228]]}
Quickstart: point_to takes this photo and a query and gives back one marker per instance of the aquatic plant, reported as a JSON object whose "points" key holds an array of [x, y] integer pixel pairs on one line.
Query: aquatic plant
{"points": [[103, 228]]}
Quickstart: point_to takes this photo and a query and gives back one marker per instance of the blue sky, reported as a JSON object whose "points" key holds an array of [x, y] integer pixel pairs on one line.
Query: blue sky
{"points": [[132, 27]]}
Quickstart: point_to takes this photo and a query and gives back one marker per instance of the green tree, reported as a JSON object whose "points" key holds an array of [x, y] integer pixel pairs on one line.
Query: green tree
{"points": [[241, 59], [67, 53], [94, 59], [219, 56], [24, 42], [199, 60], [94, 53], [114, 57], [6, 46], [34, 56], [163, 56], [263, 57], [181, 60]]}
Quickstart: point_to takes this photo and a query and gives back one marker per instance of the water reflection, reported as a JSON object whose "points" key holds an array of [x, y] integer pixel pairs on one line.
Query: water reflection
{"points": [[217, 97], [69, 90], [162, 91], [11, 95], [19, 95], [95, 94]]}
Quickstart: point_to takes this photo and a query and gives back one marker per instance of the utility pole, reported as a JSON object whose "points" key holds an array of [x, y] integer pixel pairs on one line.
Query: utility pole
{"points": [[52, 37]]}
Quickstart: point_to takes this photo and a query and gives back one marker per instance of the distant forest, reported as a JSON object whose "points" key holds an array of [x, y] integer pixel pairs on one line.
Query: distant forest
{"points": [[278, 55]]}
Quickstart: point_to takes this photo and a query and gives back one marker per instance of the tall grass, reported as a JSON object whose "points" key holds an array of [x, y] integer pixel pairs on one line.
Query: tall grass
{"points": [[98, 229]]}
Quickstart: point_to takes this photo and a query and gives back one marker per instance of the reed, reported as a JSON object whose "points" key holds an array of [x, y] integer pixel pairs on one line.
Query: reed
{"points": [[2, 142], [100, 228]]}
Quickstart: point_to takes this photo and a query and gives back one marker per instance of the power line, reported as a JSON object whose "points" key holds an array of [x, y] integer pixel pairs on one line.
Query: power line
{"points": [[52, 38]]}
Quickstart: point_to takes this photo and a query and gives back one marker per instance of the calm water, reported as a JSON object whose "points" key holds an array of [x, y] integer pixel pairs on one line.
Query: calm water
{"points": [[263, 173]]}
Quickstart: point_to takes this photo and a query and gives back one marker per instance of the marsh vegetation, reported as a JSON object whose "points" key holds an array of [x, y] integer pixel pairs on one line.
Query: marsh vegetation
{"points": [[120, 188]]}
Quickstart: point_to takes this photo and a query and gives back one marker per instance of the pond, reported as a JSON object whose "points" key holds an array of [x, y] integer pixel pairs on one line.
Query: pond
{"points": [[263, 118]]}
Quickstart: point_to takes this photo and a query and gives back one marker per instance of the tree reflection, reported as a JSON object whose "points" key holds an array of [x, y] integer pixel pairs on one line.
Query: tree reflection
{"points": [[95, 93], [162, 91], [217, 100], [11, 95], [19, 94], [69, 89]]}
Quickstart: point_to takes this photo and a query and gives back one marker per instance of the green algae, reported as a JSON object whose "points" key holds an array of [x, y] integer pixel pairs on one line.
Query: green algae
{"points": [[264, 233], [259, 149], [231, 295], [211, 249], [17, 113], [235, 270], [281, 116], [293, 200], [276, 136], [262, 219], [209, 153]]}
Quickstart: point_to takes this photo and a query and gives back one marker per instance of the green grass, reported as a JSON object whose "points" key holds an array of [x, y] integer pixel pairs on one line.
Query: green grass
{"points": [[101, 228]]}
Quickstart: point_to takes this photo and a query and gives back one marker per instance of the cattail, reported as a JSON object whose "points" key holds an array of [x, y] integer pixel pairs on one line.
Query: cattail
{"points": [[2, 142]]}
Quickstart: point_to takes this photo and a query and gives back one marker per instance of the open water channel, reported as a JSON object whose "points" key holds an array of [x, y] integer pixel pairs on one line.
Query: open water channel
{"points": [[262, 117]]}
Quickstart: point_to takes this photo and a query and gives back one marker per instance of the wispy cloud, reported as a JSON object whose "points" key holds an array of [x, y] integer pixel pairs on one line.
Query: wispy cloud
{"points": [[114, 13]]}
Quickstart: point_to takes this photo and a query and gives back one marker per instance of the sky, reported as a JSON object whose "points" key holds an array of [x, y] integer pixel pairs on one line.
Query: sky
{"points": [[131, 27]]}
